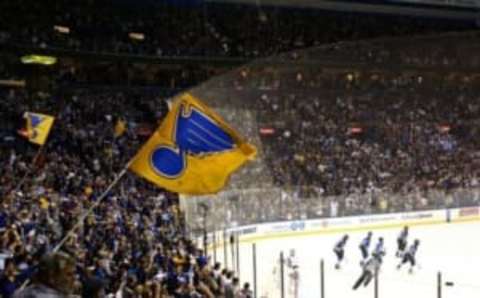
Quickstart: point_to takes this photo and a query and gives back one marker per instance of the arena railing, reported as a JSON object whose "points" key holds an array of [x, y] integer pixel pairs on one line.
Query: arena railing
{"points": [[240, 207]]}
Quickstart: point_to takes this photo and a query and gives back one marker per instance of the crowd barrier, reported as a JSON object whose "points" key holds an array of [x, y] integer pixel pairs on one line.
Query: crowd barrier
{"points": [[345, 224]]}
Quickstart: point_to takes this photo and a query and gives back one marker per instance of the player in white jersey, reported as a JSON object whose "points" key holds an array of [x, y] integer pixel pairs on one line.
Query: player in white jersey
{"points": [[292, 259], [402, 242], [339, 250], [371, 267], [293, 274], [290, 265], [409, 256], [379, 251]]}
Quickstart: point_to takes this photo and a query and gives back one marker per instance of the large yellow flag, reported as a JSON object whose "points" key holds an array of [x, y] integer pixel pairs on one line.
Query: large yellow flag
{"points": [[38, 127], [194, 151]]}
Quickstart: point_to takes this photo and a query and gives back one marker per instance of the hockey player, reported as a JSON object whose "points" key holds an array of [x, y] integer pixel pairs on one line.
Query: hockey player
{"points": [[371, 267], [293, 274], [292, 259], [294, 281], [402, 242], [340, 250], [379, 251], [409, 256], [364, 247]]}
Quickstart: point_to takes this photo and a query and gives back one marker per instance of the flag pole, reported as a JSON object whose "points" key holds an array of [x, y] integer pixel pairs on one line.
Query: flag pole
{"points": [[90, 210], [86, 213]]}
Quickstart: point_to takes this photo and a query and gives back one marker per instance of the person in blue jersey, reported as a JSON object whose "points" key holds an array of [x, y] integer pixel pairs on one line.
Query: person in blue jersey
{"points": [[379, 251], [409, 256], [339, 250], [402, 242], [370, 268], [364, 247]]}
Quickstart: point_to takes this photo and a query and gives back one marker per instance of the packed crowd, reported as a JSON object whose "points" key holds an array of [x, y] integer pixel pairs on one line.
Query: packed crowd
{"points": [[445, 50], [133, 244], [360, 139], [331, 143], [353, 140], [194, 30]]}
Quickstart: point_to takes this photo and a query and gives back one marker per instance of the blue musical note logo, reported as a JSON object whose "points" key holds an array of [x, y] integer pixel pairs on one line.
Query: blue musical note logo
{"points": [[194, 134], [35, 121]]}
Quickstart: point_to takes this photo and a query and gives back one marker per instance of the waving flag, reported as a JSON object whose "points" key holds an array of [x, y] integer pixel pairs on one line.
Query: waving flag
{"points": [[120, 128], [38, 127], [193, 151]]}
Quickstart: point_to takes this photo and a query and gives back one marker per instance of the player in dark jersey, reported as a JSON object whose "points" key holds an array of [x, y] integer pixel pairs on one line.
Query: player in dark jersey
{"points": [[409, 256], [339, 250], [364, 246], [402, 242], [369, 269]]}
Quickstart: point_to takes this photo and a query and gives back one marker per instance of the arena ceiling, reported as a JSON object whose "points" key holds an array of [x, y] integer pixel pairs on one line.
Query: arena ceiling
{"points": [[456, 9]]}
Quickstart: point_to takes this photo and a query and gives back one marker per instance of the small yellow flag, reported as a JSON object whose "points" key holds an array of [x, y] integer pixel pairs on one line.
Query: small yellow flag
{"points": [[120, 128], [38, 127]]}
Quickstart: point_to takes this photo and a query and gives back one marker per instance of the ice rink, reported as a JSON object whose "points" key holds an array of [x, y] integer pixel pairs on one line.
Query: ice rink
{"points": [[453, 249]]}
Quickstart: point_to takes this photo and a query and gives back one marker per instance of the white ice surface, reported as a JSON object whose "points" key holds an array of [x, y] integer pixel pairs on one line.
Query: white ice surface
{"points": [[453, 249]]}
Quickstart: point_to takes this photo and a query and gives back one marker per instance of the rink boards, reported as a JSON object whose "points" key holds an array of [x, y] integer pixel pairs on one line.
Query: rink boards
{"points": [[297, 228]]}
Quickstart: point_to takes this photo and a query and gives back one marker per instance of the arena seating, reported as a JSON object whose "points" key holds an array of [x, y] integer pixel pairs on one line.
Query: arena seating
{"points": [[354, 137], [198, 30]]}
